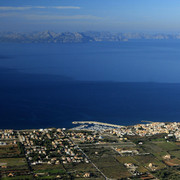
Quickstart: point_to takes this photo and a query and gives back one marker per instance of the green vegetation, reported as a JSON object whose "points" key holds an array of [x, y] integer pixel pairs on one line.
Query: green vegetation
{"points": [[147, 159], [21, 147], [18, 178], [82, 167], [160, 155], [105, 159], [46, 167], [167, 146], [126, 159], [112, 168], [9, 151], [146, 139], [14, 162], [131, 159], [168, 174], [51, 154], [175, 153], [51, 171]]}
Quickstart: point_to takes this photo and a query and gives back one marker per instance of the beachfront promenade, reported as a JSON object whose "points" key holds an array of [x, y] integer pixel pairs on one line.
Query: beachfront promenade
{"points": [[95, 122]]}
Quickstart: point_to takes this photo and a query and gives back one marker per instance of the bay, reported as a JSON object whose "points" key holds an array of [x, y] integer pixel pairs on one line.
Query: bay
{"points": [[51, 85]]}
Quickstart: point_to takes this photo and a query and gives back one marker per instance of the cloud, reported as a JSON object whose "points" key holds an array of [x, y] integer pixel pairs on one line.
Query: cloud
{"points": [[10, 8], [36, 17], [65, 7], [8, 14], [22, 8], [57, 17]]}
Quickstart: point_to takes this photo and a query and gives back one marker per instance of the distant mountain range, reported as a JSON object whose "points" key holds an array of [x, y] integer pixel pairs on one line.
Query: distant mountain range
{"points": [[78, 37]]}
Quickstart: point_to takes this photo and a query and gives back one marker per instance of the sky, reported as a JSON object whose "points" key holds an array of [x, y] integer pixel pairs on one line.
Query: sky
{"points": [[94, 15]]}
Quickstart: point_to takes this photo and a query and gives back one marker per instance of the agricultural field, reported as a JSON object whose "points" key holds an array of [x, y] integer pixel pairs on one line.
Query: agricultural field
{"points": [[172, 162], [78, 170], [14, 163], [131, 159], [170, 173], [112, 168], [83, 167], [166, 146], [49, 171], [147, 159], [48, 168], [160, 146], [160, 155], [105, 160], [9, 151], [30, 177], [175, 153]]}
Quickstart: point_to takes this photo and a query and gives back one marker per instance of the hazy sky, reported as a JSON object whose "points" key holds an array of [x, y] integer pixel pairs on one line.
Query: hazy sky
{"points": [[83, 15]]}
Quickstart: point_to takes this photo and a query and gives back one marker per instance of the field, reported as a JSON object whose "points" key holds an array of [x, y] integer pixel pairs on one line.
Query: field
{"points": [[16, 166], [130, 159], [49, 171], [9, 150], [30, 177], [146, 160], [48, 168], [175, 153], [112, 168], [14, 162], [167, 146], [160, 146], [105, 160], [160, 155], [173, 162], [63, 170], [82, 168], [171, 173]]}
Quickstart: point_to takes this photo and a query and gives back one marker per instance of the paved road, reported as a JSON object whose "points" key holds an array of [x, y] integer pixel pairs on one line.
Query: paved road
{"points": [[19, 136], [108, 144], [105, 177]]}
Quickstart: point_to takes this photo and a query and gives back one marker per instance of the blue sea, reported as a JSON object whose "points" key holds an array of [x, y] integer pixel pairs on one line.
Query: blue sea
{"points": [[51, 85]]}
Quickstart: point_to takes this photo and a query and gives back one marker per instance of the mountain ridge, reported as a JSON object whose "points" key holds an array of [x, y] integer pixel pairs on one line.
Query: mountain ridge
{"points": [[79, 37]]}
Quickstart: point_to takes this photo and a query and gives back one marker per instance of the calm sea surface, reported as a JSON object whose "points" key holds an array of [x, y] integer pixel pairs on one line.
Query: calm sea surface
{"points": [[51, 85]]}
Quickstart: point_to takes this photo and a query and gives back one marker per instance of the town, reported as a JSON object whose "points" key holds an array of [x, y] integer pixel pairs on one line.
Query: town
{"points": [[93, 150]]}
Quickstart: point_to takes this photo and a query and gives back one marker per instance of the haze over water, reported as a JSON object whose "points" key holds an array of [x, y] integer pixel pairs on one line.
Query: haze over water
{"points": [[45, 85]]}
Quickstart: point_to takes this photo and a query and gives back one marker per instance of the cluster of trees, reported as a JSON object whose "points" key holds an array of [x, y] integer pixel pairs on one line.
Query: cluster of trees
{"points": [[167, 174], [109, 140], [45, 142], [21, 148]]}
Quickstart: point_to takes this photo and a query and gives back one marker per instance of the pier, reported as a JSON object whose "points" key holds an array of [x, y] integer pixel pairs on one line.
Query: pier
{"points": [[95, 122]]}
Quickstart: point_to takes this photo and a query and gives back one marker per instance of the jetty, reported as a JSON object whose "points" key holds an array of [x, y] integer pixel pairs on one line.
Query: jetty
{"points": [[147, 121], [95, 122]]}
